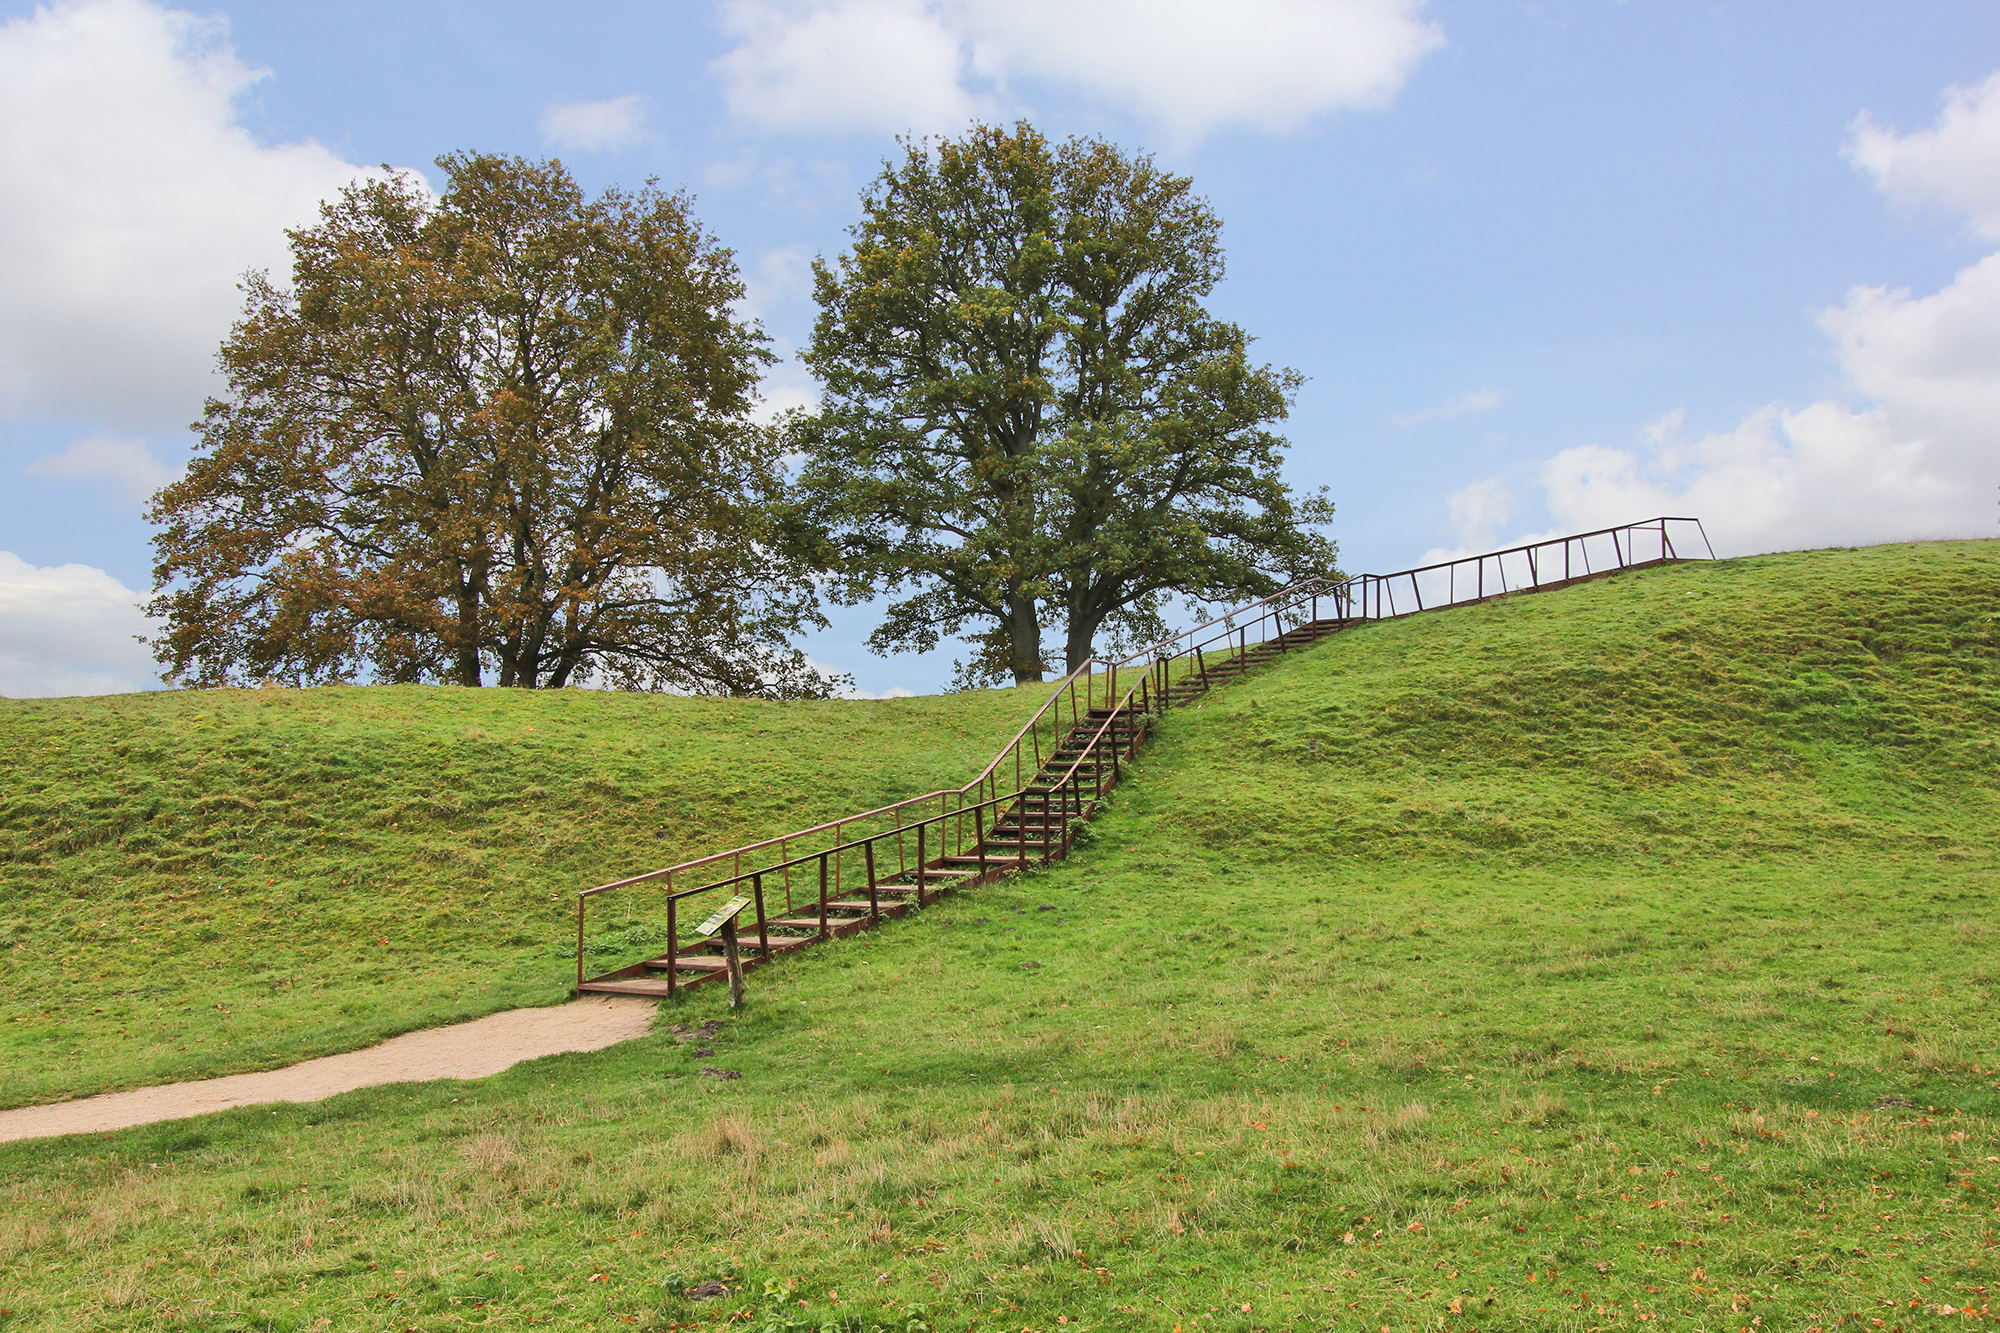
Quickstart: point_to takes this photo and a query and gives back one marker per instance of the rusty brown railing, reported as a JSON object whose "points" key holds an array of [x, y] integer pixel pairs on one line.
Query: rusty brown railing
{"points": [[1542, 566], [915, 831], [813, 866]]}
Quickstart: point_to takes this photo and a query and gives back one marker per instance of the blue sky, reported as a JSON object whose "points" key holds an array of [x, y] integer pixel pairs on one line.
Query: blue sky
{"points": [[1545, 265]]}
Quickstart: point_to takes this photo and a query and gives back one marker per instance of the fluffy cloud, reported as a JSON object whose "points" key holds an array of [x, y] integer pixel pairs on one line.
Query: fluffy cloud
{"points": [[847, 65], [1912, 450], [1189, 66], [596, 127], [1954, 165], [1477, 512], [135, 201], [69, 630], [126, 467]]}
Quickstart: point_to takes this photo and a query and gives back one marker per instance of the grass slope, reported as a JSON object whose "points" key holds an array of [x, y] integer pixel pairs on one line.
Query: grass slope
{"points": [[1614, 958], [200, 883]]}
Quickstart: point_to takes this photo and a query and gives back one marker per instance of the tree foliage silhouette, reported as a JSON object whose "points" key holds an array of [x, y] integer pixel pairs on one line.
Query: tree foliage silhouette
{"points": [[503, 430], [1029, 416]]}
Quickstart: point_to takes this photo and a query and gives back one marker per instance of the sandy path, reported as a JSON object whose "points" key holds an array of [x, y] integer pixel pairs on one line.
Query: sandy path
{"points": [[466, 1050]]}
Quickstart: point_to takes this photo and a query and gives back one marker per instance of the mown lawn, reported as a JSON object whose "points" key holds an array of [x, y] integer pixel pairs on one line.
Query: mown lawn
{"points": [[1616, 958], [201, 883]]}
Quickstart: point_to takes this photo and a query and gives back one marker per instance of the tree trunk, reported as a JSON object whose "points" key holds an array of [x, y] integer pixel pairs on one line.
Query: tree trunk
{"points": [[1081, 635], [467, 652], [1024, 639]]}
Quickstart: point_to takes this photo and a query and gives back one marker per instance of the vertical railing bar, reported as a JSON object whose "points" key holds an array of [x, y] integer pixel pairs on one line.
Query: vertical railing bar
{"points": [[979, 832], [673, 948], [874, 906]]}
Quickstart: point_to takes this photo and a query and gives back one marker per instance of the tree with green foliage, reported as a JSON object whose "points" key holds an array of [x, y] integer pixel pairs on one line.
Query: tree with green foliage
{"points": [[501, 430], [1029, 416]]}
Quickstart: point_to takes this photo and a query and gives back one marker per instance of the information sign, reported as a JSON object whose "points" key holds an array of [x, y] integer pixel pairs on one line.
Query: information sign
{"points": [[723, 914]]}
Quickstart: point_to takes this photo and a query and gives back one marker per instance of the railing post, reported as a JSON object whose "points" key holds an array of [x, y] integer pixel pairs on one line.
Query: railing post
{"points": [[673, 949], [1045, 827], [579, 940], [822, 894], [921, 877], [979, 828], [763, 933], [874, 907]]}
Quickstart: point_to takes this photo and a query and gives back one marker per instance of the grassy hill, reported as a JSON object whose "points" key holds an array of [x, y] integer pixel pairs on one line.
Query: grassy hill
{"points": [[202, 883], [1608, 958]]}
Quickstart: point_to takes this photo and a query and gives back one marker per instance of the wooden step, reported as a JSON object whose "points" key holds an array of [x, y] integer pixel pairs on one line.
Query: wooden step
{"points": [[649, 986]]}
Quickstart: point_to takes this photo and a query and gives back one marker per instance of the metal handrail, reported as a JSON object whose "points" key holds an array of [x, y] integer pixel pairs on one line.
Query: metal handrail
{"points": [[1356, 597], [904, 804]]}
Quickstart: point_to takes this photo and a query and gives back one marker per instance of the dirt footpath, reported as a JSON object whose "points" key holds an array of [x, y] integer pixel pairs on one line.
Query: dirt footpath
{"points": [[467, 1050]]}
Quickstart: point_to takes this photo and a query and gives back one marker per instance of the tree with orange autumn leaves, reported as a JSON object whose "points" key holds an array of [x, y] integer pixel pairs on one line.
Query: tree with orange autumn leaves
{"points": [[500, 433]]}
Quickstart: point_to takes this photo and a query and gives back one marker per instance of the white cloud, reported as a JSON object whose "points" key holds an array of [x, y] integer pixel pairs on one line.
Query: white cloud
{"points": [[1913, 448], [134, 203], [1954, 165], [786, 385], [1824, 475], [847, 65], [125, 466], [596, 127], [1478, 510], [774, 278], [1461, 404], [1189, 66], [68, 630]]}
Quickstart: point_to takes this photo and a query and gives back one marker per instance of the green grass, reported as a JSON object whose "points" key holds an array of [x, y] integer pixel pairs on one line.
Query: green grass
{"points": [[1620, 957], [202, 883]]}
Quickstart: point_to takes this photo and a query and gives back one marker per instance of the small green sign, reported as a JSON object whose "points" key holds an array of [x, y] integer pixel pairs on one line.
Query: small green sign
{"points": [[726, 912]]}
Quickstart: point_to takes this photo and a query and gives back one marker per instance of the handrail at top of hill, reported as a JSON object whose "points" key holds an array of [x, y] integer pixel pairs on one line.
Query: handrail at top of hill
{"points": [[1176, 666], [1332, 585]]}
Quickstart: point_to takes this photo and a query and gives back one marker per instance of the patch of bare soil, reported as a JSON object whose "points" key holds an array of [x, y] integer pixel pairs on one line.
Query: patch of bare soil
{"points": [[477, 1049]]}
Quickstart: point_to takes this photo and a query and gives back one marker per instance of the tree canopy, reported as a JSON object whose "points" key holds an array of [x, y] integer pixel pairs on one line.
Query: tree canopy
{"points": [[1030, 418], [502, 430]]}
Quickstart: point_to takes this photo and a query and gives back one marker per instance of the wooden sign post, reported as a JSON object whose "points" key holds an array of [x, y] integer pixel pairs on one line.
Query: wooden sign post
{"points": [[724, 920]]}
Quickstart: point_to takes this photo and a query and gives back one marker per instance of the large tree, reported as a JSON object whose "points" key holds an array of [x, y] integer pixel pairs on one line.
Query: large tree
{"points": [[1029, 416], [501, 430]]}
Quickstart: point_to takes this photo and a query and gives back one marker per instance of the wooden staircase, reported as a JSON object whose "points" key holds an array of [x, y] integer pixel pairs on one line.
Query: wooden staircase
{"points": [[1035, 829], [995, 825]]}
